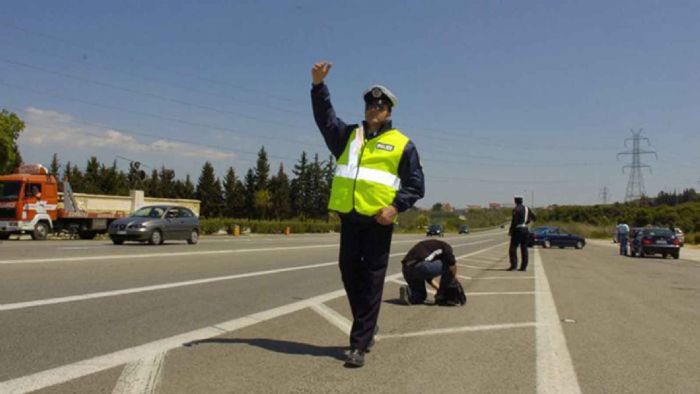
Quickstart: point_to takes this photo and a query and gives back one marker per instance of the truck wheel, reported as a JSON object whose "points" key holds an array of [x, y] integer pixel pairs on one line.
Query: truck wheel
{"points": [[118, 241], [4, 236], [41, 231], [676, 255], [194, 237], [579, 245], [156, 238], [87, 234], [547, 244]]}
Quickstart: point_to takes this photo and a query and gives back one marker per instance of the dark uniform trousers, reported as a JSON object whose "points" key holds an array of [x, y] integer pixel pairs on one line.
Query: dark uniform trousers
{"points": [[518, 238], [364, 256]]}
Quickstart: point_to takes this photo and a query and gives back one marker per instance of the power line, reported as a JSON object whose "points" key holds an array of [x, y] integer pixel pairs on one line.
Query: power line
{"points": [[219, 148], [635, 184], [267, 94], [188, 88], [256, 135], [146, 94]]}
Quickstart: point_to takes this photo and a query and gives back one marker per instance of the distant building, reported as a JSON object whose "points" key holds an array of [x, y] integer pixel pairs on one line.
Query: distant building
{"points": [[494, 205], [447, 207], [472, 207]]}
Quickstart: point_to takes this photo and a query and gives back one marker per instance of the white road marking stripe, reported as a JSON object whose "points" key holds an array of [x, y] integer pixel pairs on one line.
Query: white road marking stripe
{"points": [[555, 370], [472, 267], [141, 376], [89, 296], [82, 368], [199, 253], [83, 297], [488, 293], [496, 277], [455, 330], [333, 317]]}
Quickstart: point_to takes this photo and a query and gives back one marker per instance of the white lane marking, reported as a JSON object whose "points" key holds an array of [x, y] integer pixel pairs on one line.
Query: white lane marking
{"points": [[82, 368], [171, 254], [455, 330], [81, 247], [141, 376], [333, 317], [489, 293], [178, 254], [102, 294], [89, 296], [555, 370], [496, 277], [472, 267]]}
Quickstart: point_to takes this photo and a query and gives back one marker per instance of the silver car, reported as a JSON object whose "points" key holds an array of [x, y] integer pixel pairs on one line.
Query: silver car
{"points": [[155, 224]]}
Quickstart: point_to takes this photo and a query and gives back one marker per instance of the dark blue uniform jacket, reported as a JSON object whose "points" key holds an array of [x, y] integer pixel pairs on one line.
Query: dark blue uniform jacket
{"points": [[336, 133]]}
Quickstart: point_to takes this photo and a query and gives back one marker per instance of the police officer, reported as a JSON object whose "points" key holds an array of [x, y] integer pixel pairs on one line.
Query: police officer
{"points": [[519, 234], [622, 231], [425, 261], [378, 175]]}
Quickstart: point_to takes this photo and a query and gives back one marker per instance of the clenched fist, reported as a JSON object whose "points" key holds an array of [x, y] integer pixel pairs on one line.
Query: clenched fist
{"points": [[319, 71], [386, 215]]}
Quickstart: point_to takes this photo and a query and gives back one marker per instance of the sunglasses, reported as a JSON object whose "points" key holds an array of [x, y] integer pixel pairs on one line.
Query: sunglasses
{"points": [[378, 105]]}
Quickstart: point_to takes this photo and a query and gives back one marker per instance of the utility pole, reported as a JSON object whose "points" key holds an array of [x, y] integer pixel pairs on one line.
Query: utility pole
{"points": [[605, 194], [635, 184]]}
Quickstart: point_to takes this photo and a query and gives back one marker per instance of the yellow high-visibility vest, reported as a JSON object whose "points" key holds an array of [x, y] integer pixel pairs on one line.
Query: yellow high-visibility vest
{"points": [[367, 173]]}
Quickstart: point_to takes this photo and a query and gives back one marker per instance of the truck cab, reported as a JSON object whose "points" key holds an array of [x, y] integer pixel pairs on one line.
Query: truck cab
{"points": [[28, 202]]}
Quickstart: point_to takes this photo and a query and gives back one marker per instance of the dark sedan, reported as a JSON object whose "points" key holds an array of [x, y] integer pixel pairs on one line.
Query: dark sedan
{"points": [[650, 241], [553, 236], [435, 229], [155, 224]]}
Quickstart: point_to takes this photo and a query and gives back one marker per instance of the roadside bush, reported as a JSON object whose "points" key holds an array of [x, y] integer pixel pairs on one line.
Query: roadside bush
{"points": [[213, 225]]}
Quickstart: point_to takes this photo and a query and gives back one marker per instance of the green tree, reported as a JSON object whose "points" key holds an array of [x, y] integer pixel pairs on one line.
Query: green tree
{"points": [[153, 185], [280, 203], [234, 199], [300, 188], [55, 167], [262, 170], [262, 203], [209, 192], [10, 127], [166, 185], [91, 180], [249, 194]]}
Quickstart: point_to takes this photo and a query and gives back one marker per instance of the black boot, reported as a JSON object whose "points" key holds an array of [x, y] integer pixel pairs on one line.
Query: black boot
{"points": [[355, 359]]}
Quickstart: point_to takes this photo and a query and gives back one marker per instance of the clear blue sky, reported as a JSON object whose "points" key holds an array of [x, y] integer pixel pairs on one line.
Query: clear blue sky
{"points": [[500, 97]]}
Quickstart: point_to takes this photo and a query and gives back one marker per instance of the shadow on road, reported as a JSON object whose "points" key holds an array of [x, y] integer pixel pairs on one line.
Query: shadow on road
{"points": [[279, 346]]}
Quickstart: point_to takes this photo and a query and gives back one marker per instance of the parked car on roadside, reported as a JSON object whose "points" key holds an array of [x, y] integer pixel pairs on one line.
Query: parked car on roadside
{"points": [[650, 241], [464, 229], [537, 235], [554, 236], [435, 229], [155, 224]]}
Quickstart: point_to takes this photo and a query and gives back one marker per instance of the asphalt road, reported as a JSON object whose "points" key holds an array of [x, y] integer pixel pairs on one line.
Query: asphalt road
{"points": [[268, 314]]}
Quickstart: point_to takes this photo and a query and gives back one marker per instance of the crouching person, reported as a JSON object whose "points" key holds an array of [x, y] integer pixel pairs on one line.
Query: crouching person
{"points": [[423, 264]]}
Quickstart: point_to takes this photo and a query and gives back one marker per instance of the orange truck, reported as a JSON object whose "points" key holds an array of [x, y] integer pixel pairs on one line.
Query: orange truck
{"points": [[30, 203]]}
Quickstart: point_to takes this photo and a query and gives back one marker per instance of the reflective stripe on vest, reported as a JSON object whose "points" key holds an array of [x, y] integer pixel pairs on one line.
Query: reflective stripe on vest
{"points": [[366, 176]]}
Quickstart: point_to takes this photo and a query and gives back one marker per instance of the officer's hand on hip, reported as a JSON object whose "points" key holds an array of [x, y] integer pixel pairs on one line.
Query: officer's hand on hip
{"points": [[319, 71], [386, 215]]}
